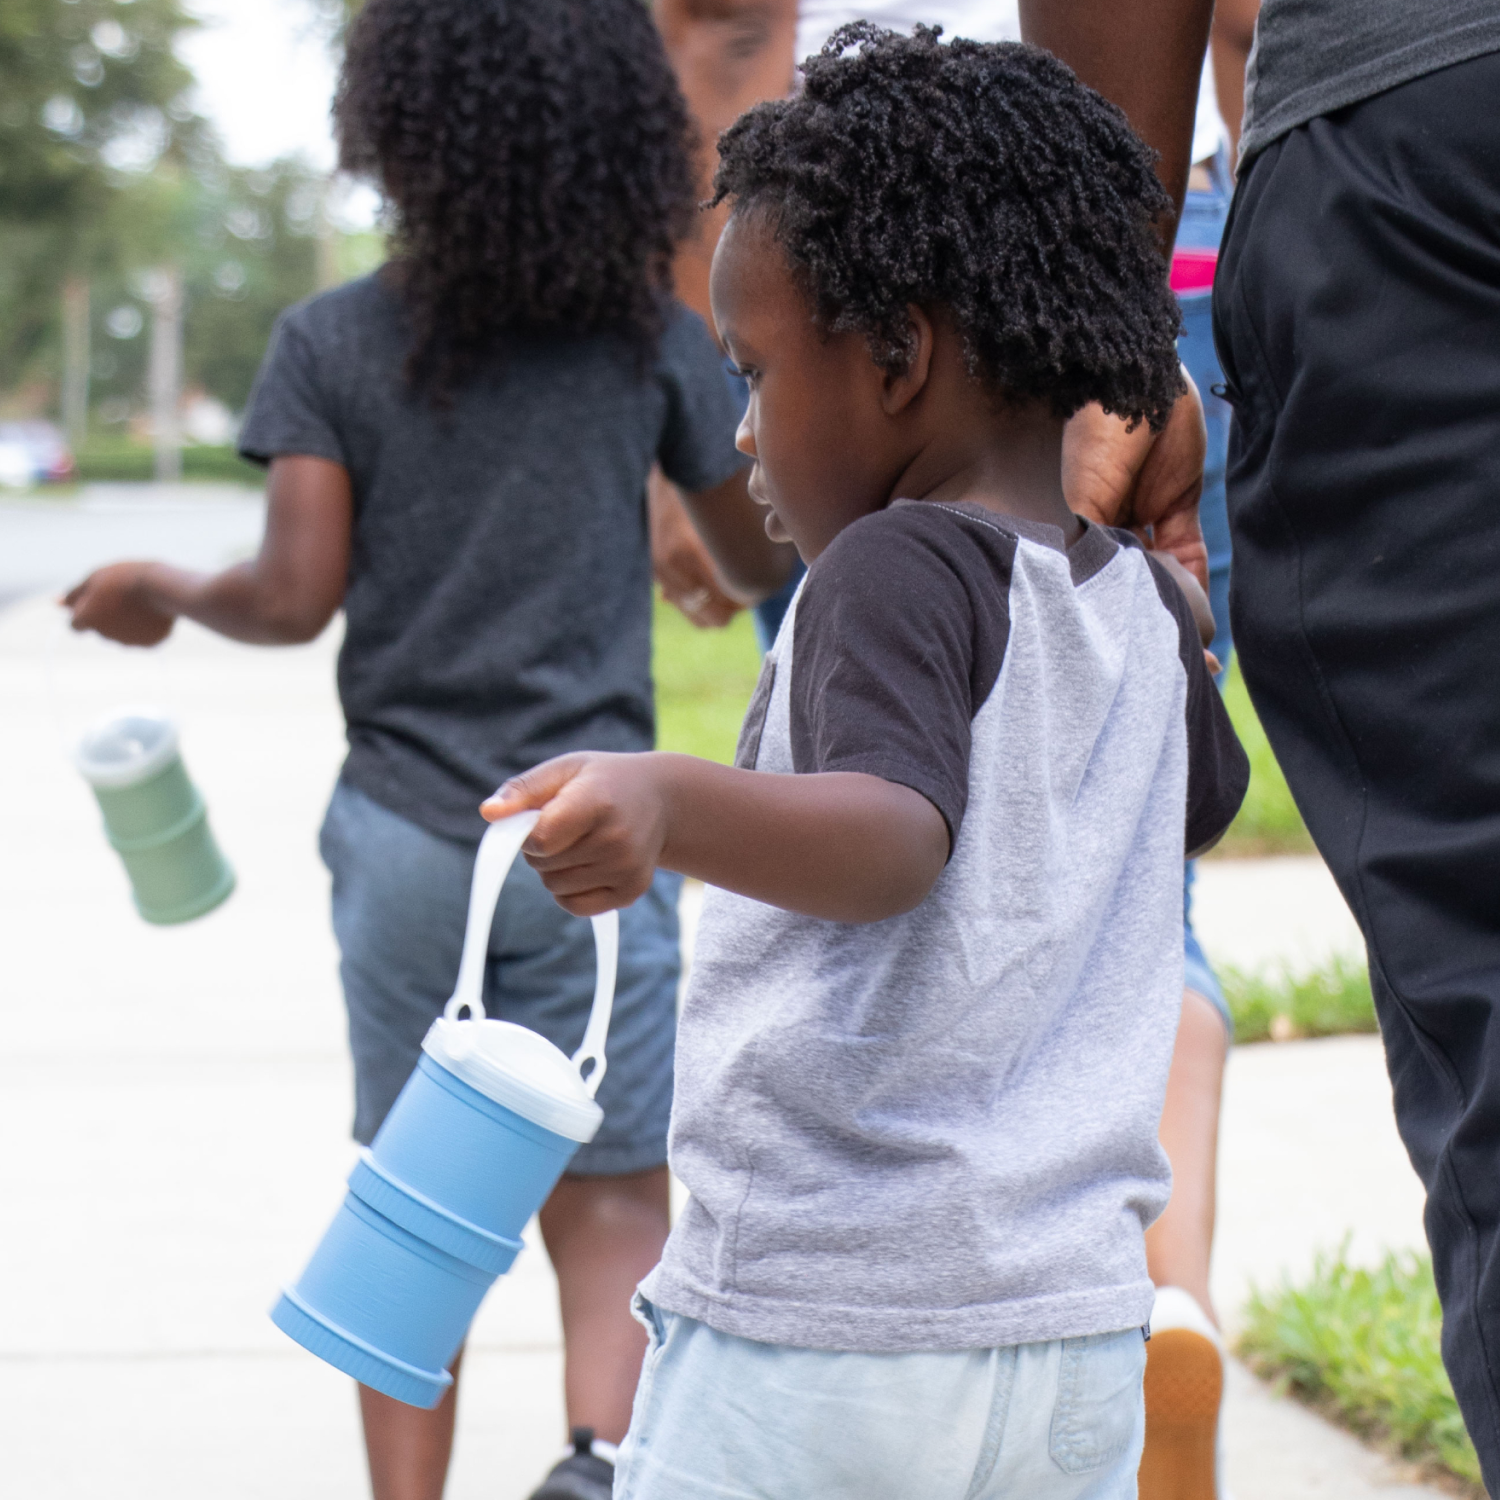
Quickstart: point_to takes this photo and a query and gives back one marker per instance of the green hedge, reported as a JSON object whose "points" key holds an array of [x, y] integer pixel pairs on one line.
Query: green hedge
{"points": [[127, 462]]}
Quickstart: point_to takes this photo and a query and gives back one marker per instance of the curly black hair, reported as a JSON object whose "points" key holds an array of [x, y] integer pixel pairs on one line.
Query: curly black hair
{"points": [[983, 178], [536, 160]]}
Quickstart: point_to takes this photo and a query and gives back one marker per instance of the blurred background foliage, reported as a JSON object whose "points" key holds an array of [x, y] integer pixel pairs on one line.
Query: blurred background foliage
{"points": [[107, 174]]}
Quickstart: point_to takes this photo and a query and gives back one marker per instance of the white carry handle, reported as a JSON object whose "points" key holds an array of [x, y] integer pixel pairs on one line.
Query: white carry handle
{"points": [[497, 853]]}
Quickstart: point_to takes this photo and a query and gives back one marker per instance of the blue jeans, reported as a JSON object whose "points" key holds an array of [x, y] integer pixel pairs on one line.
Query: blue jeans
{"points": [[721, 1416], [400, 900], [1202, 228]]}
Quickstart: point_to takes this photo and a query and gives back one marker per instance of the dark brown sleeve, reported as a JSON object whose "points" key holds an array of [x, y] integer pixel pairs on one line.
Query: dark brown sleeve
{"points": [[899, 635]]}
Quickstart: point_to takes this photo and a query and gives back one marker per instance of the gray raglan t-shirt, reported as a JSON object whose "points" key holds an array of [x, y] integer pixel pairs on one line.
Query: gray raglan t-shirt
{"points": [[498, 609], [1312, 57], [939, 1131]]}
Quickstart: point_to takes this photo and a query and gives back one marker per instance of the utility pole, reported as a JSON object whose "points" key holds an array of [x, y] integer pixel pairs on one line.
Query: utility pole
{"points": [[75, 382], [166, 372]]}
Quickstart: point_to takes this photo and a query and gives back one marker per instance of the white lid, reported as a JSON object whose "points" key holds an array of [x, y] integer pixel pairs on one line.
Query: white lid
{"points": [[517, 1068], [128, 747]]}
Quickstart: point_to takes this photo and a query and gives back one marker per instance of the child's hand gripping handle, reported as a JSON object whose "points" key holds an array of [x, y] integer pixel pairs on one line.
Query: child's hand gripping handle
{"points": [[606, 960], [497, 853]]}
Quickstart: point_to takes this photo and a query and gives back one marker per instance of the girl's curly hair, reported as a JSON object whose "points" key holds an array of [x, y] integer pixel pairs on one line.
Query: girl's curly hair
{"points": [[536, 158], [983, 178]]}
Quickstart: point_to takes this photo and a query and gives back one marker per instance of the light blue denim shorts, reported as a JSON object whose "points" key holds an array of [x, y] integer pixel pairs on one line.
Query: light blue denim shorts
{"points": [[400, 901], [1198, 973], [1201, 228], [723, 1417]]}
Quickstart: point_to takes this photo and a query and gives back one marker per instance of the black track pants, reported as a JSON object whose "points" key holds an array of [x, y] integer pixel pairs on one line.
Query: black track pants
{"points": [[1357, 312]]}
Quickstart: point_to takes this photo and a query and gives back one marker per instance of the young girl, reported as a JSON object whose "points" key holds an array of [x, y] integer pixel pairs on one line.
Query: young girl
{"points": [[458, 450]]}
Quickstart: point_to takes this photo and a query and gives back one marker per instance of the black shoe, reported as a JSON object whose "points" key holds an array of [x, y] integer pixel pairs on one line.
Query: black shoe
{"points": [[585, 1474]]}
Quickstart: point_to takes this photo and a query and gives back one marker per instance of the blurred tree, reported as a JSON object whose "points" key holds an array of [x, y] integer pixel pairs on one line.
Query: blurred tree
{"points": [[337, 14], [253, 252], [88, 89], [246, 242], [106, 175], [92, 95]]}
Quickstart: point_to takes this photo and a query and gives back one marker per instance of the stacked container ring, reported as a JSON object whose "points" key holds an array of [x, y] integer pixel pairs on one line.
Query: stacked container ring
{"points": [[154, 817]]}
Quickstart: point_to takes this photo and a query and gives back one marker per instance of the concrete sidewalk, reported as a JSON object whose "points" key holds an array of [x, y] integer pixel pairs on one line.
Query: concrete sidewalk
{"points": [[51, 541], [176, 1108]]}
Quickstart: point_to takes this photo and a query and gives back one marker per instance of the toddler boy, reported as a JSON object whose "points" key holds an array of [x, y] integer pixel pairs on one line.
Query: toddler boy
{"points": [[923, 1053]]}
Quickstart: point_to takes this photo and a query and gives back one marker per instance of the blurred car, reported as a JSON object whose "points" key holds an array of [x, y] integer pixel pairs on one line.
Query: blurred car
{"points": [[33, 453]]}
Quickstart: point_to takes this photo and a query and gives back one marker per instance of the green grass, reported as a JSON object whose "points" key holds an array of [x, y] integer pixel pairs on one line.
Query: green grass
{"points": [[1269, 822], [1363, 1346], [1329, 1001], [704, 679], [115, 460]]}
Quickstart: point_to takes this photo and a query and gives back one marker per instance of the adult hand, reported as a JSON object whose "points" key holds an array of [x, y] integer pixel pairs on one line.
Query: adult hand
{"points": [[116, 601], [681, 563], [602, 828], [1147, 481]]}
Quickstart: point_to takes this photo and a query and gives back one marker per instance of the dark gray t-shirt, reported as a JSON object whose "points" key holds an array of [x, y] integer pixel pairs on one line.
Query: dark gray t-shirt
{"points": [[498, 610], [1312, 57]]}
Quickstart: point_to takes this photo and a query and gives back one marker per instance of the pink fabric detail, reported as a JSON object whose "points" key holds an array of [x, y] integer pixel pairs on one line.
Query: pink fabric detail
{"points": [[1193, 270]]}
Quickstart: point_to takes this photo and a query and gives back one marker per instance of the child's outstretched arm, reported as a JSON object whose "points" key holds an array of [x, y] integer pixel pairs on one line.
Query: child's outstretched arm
{"points": [[284, 596], [845, 846]]}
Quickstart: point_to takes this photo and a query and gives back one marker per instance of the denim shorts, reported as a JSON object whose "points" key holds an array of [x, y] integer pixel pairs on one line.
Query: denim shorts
{"points": [[723, 1416], [1198, 973], [1201, 228], [400, 900]]}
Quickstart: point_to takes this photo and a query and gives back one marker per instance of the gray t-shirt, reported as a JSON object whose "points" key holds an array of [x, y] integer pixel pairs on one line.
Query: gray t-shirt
{"points": [[498, 609], [1312, 57], [939, 1131]]}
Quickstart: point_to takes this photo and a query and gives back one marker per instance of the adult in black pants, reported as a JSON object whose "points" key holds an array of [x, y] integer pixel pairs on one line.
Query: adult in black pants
{"points": [[1357, 310]]}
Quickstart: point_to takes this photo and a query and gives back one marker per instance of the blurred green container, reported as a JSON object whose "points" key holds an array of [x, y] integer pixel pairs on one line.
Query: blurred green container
{"points": [[154, 817]]}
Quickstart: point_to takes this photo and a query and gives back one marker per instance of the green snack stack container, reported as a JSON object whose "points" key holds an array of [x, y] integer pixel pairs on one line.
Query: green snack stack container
{"points": [[154, 817]]}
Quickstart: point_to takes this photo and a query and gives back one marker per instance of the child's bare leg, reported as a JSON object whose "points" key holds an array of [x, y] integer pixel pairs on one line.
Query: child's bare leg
{"points": [[1179, 1244], [407, 1447], [604, 1234], [1184, 1382]]}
